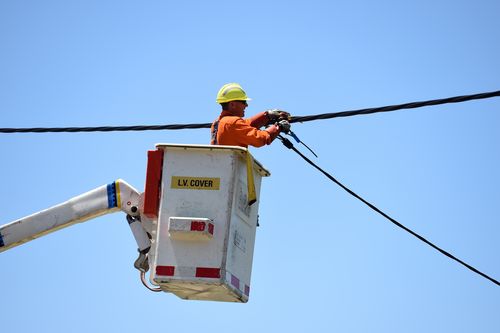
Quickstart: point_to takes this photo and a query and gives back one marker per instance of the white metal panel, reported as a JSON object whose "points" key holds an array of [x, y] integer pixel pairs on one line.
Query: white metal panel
{"points": [[210, 204], [210, 183]]}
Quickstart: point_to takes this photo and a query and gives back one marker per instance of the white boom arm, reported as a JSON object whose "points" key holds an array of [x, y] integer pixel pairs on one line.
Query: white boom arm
{"points": [[103, 200]]}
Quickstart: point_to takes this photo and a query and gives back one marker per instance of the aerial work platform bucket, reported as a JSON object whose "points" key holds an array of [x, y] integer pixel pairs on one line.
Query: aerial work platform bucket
{"points": [[203, 203]]}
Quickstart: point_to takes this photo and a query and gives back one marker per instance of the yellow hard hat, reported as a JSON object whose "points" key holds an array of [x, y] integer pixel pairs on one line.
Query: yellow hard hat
{"points": [[231, 92]]}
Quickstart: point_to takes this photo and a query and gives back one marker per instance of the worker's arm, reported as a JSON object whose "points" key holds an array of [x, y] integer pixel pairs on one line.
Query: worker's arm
{"points": [[239, 132], [259, 120], [268, 117]]}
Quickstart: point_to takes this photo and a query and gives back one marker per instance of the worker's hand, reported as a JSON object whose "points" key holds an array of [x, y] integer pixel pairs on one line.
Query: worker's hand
{"points": [[284, 126], [275, 115], [273, 131]]}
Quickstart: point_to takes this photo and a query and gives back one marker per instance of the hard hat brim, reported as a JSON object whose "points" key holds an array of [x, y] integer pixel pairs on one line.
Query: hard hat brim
{"points": [[220, 101]]}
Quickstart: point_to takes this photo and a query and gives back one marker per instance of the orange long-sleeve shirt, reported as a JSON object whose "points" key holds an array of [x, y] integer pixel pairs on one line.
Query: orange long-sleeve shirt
{"points": [[235, 131]]}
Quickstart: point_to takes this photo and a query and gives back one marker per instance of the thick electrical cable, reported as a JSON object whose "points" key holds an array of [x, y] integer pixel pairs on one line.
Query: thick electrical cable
{"points": [[104, 128], [289, 145], [388, 108], [413, 105]]}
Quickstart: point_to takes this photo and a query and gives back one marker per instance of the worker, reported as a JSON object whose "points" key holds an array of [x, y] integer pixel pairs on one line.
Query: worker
{"points": [[231, 129]]}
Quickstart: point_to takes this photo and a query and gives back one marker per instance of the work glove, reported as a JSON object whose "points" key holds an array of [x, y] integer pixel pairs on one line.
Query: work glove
{"points": [[284, 126], [275, 115]]}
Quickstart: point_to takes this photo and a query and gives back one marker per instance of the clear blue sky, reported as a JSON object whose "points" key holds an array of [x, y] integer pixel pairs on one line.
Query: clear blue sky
{"points": [[323, 261]]}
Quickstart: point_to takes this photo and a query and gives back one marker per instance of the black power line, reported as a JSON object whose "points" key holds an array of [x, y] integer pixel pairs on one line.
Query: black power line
{"points": [[289, 145], [104, 128], [413, 105]]}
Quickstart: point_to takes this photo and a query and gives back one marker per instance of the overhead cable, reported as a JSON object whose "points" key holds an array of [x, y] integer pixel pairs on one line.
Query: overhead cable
{"points": [[413, 105], [104, 128], [289, 145]]}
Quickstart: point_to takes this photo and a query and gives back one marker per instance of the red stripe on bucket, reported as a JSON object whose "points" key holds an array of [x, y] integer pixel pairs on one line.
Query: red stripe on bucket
{"points": [[165, 270], [153, 183], [207, 272]]}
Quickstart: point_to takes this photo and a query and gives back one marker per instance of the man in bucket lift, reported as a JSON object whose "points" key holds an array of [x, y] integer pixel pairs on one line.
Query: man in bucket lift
{"points": [[232, 130]]}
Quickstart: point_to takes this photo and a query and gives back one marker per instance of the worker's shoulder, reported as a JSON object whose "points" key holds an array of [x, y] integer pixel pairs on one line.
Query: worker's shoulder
{"points": [[231, 120]]}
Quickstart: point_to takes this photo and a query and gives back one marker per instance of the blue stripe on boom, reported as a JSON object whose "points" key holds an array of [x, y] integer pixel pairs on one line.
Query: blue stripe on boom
{"points": [[111, 195], [1, 241]]}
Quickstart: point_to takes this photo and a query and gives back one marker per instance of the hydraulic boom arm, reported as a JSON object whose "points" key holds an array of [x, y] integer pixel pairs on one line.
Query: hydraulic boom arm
{"points": [[103, 200]]}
